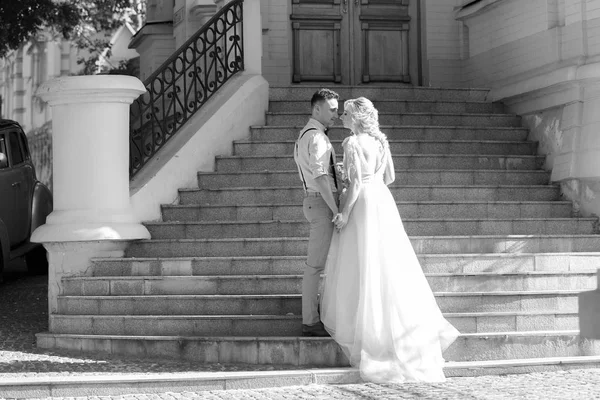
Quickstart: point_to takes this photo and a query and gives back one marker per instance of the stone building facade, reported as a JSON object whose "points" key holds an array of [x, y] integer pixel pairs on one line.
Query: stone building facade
{"points": [[540, 57]]}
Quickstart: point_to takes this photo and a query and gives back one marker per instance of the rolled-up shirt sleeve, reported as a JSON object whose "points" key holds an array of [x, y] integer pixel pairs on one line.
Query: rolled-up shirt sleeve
{"points": [[318, 150]]}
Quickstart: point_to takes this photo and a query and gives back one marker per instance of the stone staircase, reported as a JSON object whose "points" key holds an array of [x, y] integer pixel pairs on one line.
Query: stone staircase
{"points": [[220, 279]]}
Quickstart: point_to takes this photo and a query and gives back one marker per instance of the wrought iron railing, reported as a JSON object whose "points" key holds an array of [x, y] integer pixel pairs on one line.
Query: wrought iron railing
{"points": [[184, 82]]}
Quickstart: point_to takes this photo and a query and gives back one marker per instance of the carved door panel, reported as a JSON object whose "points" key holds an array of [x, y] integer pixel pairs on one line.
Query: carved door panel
{"points": [[319, 29], [350, 41], [380, 43]]}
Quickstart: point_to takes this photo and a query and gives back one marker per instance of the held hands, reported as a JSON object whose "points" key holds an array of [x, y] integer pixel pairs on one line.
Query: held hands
{"points": [[340, 220]]}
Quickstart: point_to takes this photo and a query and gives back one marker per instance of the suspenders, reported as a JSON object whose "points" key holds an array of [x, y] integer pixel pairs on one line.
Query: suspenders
{"points": [[330, 161], [299, 167], [333, 170]]}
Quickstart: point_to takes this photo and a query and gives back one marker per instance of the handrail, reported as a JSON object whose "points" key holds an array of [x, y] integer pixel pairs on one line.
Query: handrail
{"points": [[184, 82]]}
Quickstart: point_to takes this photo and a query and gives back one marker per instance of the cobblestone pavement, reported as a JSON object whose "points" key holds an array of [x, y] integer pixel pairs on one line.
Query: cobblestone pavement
{"points": [[563, 385], [23, 312]]}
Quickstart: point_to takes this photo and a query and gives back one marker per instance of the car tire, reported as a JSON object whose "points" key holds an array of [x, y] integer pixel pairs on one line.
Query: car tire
{"points": [[37, 261]]}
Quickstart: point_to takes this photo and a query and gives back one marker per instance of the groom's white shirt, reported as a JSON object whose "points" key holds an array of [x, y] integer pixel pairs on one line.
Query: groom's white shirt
{"points": [[312, 155]]}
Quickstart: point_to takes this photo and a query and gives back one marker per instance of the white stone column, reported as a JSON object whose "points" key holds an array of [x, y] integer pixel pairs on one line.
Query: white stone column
{"points": [[90, 136], [252, 37], [92, 215]]}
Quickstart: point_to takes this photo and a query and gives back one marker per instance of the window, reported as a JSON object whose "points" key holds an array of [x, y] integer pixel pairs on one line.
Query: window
{"points": [[24, 146], [3, 146], [15, 149]]}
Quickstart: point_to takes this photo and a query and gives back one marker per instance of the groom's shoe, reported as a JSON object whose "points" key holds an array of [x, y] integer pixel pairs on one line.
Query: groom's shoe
{"points": [[314, 330]]}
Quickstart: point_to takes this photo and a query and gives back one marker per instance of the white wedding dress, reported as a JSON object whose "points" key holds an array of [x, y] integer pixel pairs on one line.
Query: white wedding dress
{"points": [[376, 302]]}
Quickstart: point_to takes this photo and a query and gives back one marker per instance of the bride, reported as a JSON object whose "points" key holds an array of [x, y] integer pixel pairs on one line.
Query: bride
{"points": [[376, 302]]}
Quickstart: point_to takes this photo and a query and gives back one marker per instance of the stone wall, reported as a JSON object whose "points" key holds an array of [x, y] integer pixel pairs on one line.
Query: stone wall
{"points": [[277, 55], [441, 44], [510, 42], [507, 41], [542, 59]]}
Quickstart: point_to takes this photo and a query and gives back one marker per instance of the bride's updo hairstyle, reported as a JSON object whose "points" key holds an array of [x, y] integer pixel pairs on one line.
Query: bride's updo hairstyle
{"points": [[365, 118]]}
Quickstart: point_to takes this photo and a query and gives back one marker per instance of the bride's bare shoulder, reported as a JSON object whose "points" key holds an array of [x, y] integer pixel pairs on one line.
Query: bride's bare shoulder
{"points": [[363, 138], [366, 141]]}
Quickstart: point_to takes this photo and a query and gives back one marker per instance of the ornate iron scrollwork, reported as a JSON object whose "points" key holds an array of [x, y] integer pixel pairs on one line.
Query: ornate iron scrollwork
{"points": [[179, 88]]}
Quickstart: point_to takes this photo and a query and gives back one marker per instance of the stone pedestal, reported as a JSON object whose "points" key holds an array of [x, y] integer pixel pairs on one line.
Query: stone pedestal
{"points": [[67, 259], [589, 313], [92, 215]]}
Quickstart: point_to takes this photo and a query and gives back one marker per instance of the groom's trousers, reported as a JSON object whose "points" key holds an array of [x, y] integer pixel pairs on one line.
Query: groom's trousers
{"points": [[319, 215]]}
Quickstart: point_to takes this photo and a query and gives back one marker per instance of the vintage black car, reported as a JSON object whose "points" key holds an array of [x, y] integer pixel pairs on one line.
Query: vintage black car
{"points": [[24, 201]]}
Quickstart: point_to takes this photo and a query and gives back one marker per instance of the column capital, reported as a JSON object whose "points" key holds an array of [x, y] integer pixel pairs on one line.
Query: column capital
{"points": [[91, 89]]}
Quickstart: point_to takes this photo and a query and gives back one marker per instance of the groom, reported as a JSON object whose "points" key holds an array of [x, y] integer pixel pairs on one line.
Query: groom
{"points": [[315, 159]]}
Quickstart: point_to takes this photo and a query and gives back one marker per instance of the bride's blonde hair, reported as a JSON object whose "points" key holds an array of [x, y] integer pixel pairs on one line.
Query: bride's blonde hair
{"points": [[365, 118]]}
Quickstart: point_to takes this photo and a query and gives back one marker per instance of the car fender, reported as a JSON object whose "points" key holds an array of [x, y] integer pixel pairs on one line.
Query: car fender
{"points": [[41, 205], [4, 243]]}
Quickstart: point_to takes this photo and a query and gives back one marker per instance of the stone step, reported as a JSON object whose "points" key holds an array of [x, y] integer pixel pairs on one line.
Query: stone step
{"points": [[267, 377], [218, 180], [282, 265], [402, 106], [408, 92], [408, 210], [291, 304], [255, 284], [294, 195], [317, 352], [283, 325], [414, 227], [398, 147], [520, 366], [406, 132], [404, 161], [447, 119], [422, 244], [515, 345]]}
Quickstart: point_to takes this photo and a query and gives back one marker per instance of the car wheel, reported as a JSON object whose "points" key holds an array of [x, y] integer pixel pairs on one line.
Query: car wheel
{"points": [[37, 261]]}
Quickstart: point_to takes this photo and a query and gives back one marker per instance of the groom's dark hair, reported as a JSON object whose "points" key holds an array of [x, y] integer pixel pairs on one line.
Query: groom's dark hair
{"points": [[322, 95]]}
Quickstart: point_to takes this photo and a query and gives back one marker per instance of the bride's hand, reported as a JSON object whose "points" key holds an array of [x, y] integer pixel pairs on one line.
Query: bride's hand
{"points": [[340, 221]]}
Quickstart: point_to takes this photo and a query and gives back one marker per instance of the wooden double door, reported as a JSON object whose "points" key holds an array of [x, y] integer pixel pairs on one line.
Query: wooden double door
{"points": [[350, 42]]}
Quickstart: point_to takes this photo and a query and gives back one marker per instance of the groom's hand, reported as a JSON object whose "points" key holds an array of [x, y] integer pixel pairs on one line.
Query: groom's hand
{"points": [[328, 196], [336, 217]]}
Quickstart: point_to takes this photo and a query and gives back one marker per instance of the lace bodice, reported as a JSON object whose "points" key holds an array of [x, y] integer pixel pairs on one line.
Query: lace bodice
{"points": [[365, 158]]}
